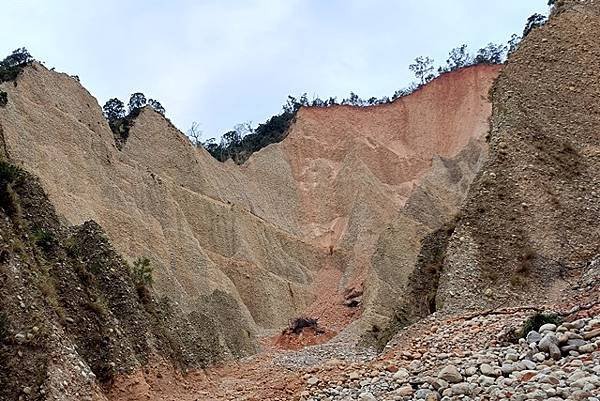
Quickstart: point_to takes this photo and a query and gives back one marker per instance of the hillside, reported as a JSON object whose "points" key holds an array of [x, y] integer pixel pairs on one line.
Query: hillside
{"points": [[477, 192], [259, 232]]}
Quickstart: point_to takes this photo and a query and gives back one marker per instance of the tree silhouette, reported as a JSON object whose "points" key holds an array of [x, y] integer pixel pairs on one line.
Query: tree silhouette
{"points": [[535, 21], [155, 104], [458, 57], [114, 110], [491, 54], [136, 102], [422, 68], [195, 133], [513, 43]]}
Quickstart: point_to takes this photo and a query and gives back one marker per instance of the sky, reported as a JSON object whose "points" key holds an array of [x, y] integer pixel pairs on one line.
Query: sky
{"points": [[223, 62]]}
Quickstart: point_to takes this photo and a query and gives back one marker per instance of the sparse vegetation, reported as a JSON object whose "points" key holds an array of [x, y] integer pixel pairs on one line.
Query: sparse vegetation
{"points": [[44, 239], [533, 22], [3, 98], [239, 143], [120, 121], [12, 65], [537, 320], [142, 272], [9, 174], [296, 326]]}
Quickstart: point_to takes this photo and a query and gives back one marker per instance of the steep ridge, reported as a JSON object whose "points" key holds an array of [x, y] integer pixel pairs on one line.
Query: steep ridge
{"points": [[531, 220], [249, 246]]}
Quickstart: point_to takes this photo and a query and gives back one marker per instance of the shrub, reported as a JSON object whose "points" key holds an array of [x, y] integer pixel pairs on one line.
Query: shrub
{"points": [[13, 64], [9, 174], [537, 320], [533, 22], [142, 272], [44, 239], [3, 98], [297, 325]]}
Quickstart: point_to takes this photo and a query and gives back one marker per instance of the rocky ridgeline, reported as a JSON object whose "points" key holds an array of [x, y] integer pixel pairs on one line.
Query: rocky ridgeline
{"points": [[553, 363]]}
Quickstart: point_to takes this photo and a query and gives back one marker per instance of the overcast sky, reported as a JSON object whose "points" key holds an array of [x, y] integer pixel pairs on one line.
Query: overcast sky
{"points": [[221, 62]]}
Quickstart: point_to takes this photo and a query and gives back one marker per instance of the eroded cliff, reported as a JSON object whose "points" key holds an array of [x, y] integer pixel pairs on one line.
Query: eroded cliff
{"points": [[289, 232]]}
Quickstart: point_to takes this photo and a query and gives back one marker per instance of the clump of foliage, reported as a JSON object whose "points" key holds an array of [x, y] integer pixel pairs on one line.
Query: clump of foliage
{"points": [[3, 98], [533, 22], [9, 174], [239, 143], [13, 64], [121, 120], [142, 272], [44, 239], [534, 322]]}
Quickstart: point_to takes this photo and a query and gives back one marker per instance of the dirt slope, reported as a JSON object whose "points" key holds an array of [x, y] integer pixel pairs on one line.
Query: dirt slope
{"points": [[531, 219], [291, 231]]}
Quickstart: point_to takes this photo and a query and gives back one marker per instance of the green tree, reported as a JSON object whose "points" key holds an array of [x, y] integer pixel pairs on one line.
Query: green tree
{"points": [[155, 104], [423, 69], [13, 64], [534, 21], [491, 54], [136, 102], [142, 272], [513, 43], [458, 57], [114, 109]]}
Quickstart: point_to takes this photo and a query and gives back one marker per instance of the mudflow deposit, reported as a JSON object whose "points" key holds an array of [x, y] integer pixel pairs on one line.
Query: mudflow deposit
{"points": [[435, 224]]}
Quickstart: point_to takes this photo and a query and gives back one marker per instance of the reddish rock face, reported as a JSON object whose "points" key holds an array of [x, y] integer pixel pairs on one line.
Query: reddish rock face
{"points": [[282, 235]]}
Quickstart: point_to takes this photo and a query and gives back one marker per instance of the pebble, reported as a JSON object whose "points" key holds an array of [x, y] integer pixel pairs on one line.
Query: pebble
{"points": [[540, 367]]}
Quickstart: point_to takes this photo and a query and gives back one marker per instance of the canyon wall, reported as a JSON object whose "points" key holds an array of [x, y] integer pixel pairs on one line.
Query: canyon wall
{"points": [[290, 231]]}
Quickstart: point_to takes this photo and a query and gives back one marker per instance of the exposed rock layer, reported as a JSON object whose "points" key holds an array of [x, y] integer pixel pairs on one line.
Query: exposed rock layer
{"points": [[248, 241], [531, 219]]}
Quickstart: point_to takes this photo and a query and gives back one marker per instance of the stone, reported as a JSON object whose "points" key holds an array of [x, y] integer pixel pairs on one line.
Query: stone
{"points": [[401, 375], [422, 394], [450, 374], [545, 342], [533, 337], [354, 376], [588, 348], [554, 352], [405, 390], [367, 396], [508, 368], [471, 371], [461, 389], [489, 370], [592, 334], [20, 338], [539, 357], [433, 396], [312, 380], [547, 327]]}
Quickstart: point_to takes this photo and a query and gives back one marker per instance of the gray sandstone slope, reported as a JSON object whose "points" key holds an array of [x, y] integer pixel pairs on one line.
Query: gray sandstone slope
{"points": [[530, 223], [160, 204]]}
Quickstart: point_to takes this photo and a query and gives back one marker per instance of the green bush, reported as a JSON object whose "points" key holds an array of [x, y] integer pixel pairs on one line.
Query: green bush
{"points": [[142, 272], [13, 64], [3, 98], [537, 320], [44, 239]]}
